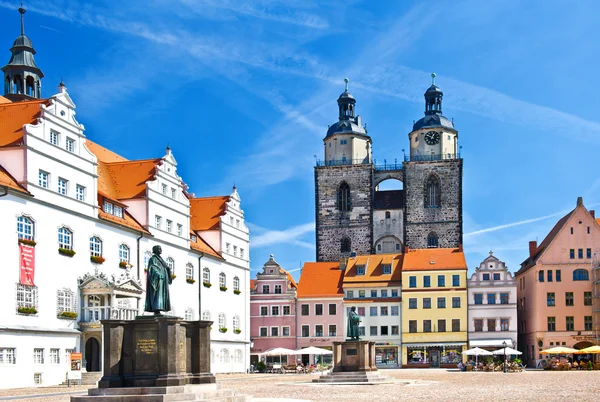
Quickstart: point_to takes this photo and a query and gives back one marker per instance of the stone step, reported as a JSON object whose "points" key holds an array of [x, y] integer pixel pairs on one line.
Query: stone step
{"points": [[207, 392]]}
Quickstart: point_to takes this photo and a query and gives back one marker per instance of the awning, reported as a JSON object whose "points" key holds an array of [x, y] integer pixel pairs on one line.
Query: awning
{"points": [[418, 345], [491, 342]]}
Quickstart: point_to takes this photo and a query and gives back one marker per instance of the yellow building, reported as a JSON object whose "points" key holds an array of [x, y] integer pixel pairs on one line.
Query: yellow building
{"points": [[434, 307]]}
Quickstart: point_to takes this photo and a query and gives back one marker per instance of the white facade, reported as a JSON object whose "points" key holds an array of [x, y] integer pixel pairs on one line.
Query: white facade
{"points": [[492, 294], [61, 174]]}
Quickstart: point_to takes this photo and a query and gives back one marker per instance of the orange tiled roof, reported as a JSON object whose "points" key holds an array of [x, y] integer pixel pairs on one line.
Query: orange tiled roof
{"points": [[103, 154], [125, 180], [290, 278], [4, 100], [206, 212], [204, 247], [321, 279], [434, 259], [127, 220], [252, 284], [373, 268], [6, 179], [13, 116]]}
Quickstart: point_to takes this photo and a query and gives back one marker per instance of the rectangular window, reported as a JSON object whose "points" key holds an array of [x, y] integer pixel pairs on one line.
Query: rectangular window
{"points": [[383, 310], [412, 303], [587, 323], [37, 378], [456, 280], [384, 330], [274, 331], [412, 281], [426, 302], [372, 311], [264, 331], [319, 331], [274, 310], [478, 298], [551, 324], [387, 269], [580, 253], [558, 276], [43, 179], [373, 331], [179, 229], [478, 325], [79, 193], [572, 253], [496, 277], [118, 211], [54, 137], [395, 330], [491, 298], [360, 270], [287, 310], [373, 293], [588, 253], [394, 292], [426, 281], [173, 193], [569, 298], [441, 326], [587, 298], [164, 189], [332, 309], [305, 331], [491, 325], [277, 289], [361, 331], [361, 294], [549, 275], [504, 324], [350, 294], [107, 207], [395, 310], [412, 326], [570, 324], [332, 330], [27, 296], [441, 281], [426, 325], [38, 356], [266, 289], [384, 293], [227, 245], [305, 309], [456, 325], [285, 331], [456, 302], [318, 309], [70, 144], [157, 221], [550, 299], [503, 298], [486, 277], [169, 226], [541, 276], [361, 311], [441, 302], [264, 310], [54, 356], [241, 253], [7, 356]]}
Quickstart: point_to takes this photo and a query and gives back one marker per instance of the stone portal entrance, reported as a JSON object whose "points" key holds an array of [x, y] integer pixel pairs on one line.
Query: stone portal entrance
{"points": [[92, 355]]}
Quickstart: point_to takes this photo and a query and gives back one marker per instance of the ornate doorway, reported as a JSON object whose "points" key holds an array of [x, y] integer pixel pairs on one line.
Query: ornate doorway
{"points": [[92, 355]]}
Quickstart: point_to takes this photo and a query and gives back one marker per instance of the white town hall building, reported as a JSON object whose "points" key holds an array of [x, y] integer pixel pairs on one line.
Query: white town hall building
{"points": [[78, 223]]}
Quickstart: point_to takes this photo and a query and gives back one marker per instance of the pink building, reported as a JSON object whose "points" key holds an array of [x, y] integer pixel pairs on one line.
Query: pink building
{"points": [[554, 287], [272, 311], [320, 307]]}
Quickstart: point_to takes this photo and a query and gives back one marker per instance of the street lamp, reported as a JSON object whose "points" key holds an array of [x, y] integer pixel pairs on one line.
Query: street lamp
{"points": [[504, 344]]}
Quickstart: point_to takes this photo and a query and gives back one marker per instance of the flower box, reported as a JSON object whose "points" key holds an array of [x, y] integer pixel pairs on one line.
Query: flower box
{"points": [[97, 259], [27, 310], [223, 330], [190, 280], [223, 288], [237, 292], [27, 242], [123, 264], [173, 276], [237, 331], [69, 315], [66, 252], [207, 284]]}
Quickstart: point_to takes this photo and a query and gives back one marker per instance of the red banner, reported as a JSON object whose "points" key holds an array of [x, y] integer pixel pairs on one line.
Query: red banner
{"points": [[27, 264]]}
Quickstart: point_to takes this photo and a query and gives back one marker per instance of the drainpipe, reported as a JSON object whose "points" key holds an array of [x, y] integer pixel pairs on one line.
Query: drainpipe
{"points": [[200, 286], [138, 264]]}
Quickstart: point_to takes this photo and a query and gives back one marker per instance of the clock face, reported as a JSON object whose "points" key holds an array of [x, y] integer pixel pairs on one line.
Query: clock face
{"points": [[432, 137]]}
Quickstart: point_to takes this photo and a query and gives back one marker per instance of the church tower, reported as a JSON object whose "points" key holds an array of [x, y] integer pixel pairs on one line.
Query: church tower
{"points": [[433, 179], [22, 77], [344, 187]]}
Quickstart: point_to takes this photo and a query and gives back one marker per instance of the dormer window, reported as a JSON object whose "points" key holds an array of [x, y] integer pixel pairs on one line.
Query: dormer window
{"points": [[387, 269], [107, 207], [112, 209], [360, 270], [193, 238]]}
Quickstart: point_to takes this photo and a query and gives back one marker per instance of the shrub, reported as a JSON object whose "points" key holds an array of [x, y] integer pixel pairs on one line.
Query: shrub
{"points": [[67, 252], [97, 259], [67, 314], [27, 310], [27, 242], [190, 280], [207, 284], [237, 292], [261, 366], [223, 288]]}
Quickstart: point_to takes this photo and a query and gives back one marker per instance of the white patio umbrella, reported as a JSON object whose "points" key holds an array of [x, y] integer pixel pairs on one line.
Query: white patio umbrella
{"points": [[477, 352], [313, 350], [278, 352], [509, 351]]}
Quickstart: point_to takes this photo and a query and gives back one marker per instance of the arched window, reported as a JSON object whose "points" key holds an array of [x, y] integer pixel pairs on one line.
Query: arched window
{"points": [[343, 201], [236, 322], [432, 240], [65, 301], [581, 275], [171, 264], [123, 253], [189, 314], [95, 246], [206, 315], [222, 320], [206, 275], [388, 215], [222, 280], [238, 356], [432, 192], [224, 356], [24, 228], [189, 271], [236, 283], [65, 239], [345, 245]]}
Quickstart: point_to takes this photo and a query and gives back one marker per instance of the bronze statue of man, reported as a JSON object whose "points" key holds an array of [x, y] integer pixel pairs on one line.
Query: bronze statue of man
{"points": [[353, 321], [158, 279]]}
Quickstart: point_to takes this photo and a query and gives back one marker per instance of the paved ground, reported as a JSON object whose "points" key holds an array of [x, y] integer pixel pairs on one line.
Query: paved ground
{"points": [[411, 385]]}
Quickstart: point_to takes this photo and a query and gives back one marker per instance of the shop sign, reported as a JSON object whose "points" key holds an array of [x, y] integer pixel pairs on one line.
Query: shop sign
{"points": [[74, 372], [582, 338], [322, 340], [27, 262], [386, 344]]}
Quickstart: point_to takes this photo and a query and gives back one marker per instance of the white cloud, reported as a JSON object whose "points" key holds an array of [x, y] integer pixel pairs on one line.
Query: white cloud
{"points": [[289, 236]]}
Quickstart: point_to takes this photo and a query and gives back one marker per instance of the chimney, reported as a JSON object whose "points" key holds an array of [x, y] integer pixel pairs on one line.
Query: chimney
{"points": [[405, 249], [343, 264], [532, 247], [593, 213], [460, 248], [579, 201]]}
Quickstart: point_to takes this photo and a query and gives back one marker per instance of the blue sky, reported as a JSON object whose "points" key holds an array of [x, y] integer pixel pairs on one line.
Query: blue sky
{"points": [[244, 91]]}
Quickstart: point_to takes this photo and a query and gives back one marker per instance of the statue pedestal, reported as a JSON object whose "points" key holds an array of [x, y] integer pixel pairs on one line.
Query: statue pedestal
{"points": [[354, 356], [156, 351]]}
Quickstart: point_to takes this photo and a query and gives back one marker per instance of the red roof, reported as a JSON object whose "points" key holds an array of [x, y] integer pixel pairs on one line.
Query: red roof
{"points": [[6, 179], [125, 180], [13, 116], [204, 247], [103, 154], [320, 279], [433, 259], [206, 212]]}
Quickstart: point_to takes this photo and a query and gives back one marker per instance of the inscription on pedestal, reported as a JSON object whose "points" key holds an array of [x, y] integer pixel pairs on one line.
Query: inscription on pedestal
{"points": [[146, 352], [147, 346], [351, 352]]}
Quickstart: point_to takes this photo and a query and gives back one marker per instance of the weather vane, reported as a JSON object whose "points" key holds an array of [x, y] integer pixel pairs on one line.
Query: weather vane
{"points": [[346, 80], [432, 78]]}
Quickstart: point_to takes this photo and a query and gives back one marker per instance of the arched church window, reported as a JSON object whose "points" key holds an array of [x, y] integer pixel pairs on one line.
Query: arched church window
{"points": [[344, 197], [345, 245], [432, 192], [432, 240]]}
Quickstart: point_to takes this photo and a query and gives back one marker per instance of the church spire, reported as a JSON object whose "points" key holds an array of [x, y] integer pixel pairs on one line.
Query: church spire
{"points": [[433, 98], [22, 12], [346, 103]]}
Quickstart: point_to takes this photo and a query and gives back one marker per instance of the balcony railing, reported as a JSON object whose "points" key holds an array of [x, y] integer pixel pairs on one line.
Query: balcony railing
{"points": [[430, 158], [343, 162], [95, 314], [388, 166]]}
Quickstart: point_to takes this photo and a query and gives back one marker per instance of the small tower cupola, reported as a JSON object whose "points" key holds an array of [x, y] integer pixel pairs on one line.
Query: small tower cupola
{"points": [[22, 77], [346, 103], [433, 98]]}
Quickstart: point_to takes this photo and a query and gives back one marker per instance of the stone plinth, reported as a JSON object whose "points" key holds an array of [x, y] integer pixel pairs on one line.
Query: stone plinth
{"points": [[156, 351], [354, 356]]}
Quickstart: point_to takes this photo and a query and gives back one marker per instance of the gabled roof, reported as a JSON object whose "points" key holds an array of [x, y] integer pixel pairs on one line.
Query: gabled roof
{"points": [[103, 154], [321, 279], [373, 268], [203, 247], [13, 116], [434, 259], [126, 180], [6, 179], [206, 212]]}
